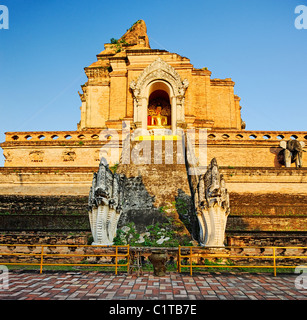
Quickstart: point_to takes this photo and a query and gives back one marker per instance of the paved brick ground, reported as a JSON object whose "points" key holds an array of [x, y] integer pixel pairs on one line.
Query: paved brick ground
{"points": [[174, 286]]}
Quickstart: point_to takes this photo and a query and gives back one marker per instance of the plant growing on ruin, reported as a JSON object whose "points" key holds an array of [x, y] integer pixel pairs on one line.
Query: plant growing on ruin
{"points": [[117, 44], [114, 168], [156, 235]]}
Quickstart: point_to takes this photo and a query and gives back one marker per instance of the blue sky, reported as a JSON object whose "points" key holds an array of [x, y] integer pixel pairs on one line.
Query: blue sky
{"points": [[49, 42]]}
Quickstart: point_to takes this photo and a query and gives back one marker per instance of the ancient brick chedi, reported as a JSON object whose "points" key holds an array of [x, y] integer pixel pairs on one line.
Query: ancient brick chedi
{"points": [[130, 80], [142, 94], [148, 88]]}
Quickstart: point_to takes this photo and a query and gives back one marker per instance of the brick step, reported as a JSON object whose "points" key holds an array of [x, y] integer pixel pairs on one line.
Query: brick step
{"points": [[16, 204], [267, 223], [44, 223]]}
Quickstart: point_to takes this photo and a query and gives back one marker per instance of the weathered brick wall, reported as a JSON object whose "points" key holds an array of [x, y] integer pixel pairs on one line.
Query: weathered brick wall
{"points": [[266, 223], [258, 238], [41, 237], [43, 213], [251, 212], [46, 181], [273, 204], [267, 212], [36, 205]]}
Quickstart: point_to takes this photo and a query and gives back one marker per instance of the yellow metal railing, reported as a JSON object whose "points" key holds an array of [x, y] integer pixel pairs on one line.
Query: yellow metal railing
{"points": [[190, 253], [42, 254]]}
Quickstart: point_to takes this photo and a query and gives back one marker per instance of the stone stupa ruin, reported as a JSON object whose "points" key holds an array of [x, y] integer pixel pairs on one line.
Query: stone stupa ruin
{"points": [[152, 97]]}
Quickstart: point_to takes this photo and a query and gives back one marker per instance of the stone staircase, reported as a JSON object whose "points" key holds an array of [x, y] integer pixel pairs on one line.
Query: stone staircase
{"points": [[163, 177]]}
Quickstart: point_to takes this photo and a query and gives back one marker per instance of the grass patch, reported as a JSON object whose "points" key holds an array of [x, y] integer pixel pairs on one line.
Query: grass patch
{"points": [[229, 266]]}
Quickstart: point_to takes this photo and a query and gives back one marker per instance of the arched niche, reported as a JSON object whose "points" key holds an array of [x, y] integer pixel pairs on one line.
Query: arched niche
{"points": [[159, 109], [159, 78]]}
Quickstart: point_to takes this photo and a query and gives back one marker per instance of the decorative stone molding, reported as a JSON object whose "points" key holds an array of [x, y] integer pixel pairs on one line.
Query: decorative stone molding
{"points": [[69, 155], [222, 82], [36, 156], [97, 155], [160, 70], [96, 73], [8, 157]]}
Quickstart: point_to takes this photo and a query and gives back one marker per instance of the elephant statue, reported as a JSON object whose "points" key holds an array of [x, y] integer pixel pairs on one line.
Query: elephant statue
{"points": [[292, 152]]}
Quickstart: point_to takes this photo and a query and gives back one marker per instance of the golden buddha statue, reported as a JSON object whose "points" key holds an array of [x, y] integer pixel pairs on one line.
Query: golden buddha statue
{"points": [[158, 120]]}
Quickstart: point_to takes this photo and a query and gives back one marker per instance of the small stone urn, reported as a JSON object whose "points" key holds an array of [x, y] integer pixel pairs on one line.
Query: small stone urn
{"points": [[158, 258]]}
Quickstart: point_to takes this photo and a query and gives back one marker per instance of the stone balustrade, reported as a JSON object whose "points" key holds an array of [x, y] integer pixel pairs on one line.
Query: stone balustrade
{"points": [[85, 148], [212, 135], [243, 135], [52, 136]]}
